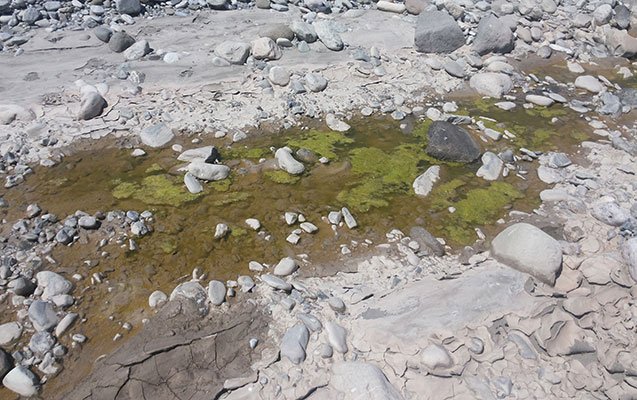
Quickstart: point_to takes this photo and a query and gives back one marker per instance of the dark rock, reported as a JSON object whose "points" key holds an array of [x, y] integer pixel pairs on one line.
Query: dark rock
{"points": [[103, 33], [6, 363], [120, 41], [130, 7], [451, 143], [622, 16], [437, 32]]}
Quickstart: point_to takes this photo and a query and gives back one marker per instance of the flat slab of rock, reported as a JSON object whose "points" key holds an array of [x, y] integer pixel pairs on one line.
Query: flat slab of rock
{"points": [[403, 320], [294, 343], [157, 135], [529, 249]]}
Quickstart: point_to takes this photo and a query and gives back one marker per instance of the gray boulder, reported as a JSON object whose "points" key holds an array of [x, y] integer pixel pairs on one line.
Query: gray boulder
{"points": [[492, 84], [304, 31], [276, 283], [426, 240], [120, 41], [449, 142], [294, 343], [91, 106], [194, 292], [530, 250], [42, 315], [610, 213], [157, 135], [22, 286], [437, 32], [233, 52], [53, 284], [103, 33], [328, 35], [136, 51], [276, 31], [493, 36], [130, 7], [315, 82]]}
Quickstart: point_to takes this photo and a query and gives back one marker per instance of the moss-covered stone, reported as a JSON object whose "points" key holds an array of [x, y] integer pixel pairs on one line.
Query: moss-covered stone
{"points": [[154, 168], [282, 177], [222, 185], [322, 143], [485, 205]]}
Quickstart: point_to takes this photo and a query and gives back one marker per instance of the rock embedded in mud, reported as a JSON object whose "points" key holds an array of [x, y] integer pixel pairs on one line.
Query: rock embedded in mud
{"points": [[424, 183], [157, 135], [315, 82], [449, 142], [208, 172], [286, 161], [491, 84], [366, 380], [285, 267], [435, 356], [437, 32], [279, 76], [21, 381], [350, 221], [529, 249], [294, 343], [629, 251], [194, 292], [493, 36]]}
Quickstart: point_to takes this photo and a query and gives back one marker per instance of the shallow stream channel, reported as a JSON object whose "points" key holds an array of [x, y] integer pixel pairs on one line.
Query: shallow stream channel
{"points": [[370, 171]]}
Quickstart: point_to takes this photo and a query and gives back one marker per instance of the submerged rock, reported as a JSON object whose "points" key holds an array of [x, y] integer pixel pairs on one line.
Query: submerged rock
{"points": [[529, 249], [286, 161], [208, 172], [449, 142], [425, 182]]}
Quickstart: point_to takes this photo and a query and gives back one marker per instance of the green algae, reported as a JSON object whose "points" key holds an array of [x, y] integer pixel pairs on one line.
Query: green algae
{"points": [[231, 198], [483, 205], [442, 195], [546, 112], [155, 190], [222, 185], [281, 177], [244, 152], [421, 131], [154, 168], [323, 143], [238, 232], [380, 175]]}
